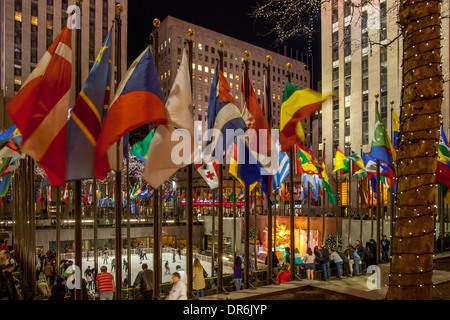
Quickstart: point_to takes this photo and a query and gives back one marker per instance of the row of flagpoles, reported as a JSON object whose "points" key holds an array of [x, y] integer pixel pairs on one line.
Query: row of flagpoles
{"points": [[92, 142]]}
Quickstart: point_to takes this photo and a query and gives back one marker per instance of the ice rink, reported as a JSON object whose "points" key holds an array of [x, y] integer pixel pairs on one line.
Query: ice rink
{"points": [[136, 264]]}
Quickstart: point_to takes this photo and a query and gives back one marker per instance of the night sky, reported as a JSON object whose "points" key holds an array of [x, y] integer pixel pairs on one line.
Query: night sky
{"points": [[229, 17]]}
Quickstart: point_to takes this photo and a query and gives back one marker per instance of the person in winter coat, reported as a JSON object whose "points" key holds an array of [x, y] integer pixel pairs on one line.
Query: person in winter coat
{"points": [[284, 275], [198, 283]]}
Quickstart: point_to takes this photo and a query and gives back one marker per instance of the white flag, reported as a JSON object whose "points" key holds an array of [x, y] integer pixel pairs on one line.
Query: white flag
{"points": [[160, 165], [209, 173]]}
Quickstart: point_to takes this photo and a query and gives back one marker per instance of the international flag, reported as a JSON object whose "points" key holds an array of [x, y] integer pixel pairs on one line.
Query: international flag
{"points": [[85, 123], [98, 192], [90, 195], [382, 148], [298, 104], [326, 182], [306, 162], [161, 165], [140, 149], [223, 115], [371, 167], [358, 167], [144, 193], [255, 145], [4, 185], [138, 101], [282, 171], [209, 173], [40, 108], [241, 195], [282, 193], [396, 130], [443, 166], [340, 162], [235, 168], [66, 195], [10, 141], [135, 193], [363, 195]]}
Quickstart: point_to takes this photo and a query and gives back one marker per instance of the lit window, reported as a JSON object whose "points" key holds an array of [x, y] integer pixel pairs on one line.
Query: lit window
{"points": [[34, 21], [213, 71], [206, 79], [237, 86], [18, 80], [200, 68], [18, 16], [200, 47], [168, 72], [225, 74], [49, 24], [237, 78], [259, 92], [231, 85], [207, 69], [165, 75], [193, 66], [231, 76]]}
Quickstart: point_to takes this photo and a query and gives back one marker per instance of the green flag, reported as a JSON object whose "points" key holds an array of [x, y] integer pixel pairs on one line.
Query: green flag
{"points": [[140, 149], [358, 167]]}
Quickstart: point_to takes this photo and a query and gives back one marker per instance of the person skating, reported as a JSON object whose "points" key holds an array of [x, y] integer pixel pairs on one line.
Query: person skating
{"points": [[166, 265], [113, 264], [145, 280]]}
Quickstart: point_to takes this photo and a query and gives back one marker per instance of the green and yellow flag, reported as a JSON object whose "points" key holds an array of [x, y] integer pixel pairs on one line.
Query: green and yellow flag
{"points": [[326, 182], [340, 162], [298, 104]]}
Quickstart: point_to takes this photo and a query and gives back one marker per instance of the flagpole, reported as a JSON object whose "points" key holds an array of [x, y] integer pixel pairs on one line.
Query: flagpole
{"points": [[256, 232], [323, 199], [269, 187], [247, 193], [190, 172], [95, 214], [393, 184], [360, 187], [380, 197], [349, 198], [77, 202], [58, 231], [213, 232], [220, 288], [292, 198], [234, 217], [118, 177], [338, 207], [128, 223]]}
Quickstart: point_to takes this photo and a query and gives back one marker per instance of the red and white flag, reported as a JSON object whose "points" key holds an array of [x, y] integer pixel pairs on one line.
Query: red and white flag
{"points": [[66, 195], [41, 107], [209, 173]]}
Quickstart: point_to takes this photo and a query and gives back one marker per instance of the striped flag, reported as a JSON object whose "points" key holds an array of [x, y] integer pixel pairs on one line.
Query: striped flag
{"points": [[86, 118], [138, 101], [41, 107], [223, 114], [282, 171]]}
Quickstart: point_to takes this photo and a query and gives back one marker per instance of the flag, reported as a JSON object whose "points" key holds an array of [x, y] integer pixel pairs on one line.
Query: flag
{"points": [[241, 195], [84, 125], [140, 149], [135, 193], [235, 168], [326, 182], [282, 171], [298, 103], [443, 166], [4, 185], [382, 148], [223, 114], [40, 108], [10, 141], [90, 195], [340, 162], [306, 162], [144, 193], [160, 165], [281, 193], [66, 195], [209, 173], [396, 130], [138, 101], [364, 200], [358, 167]]}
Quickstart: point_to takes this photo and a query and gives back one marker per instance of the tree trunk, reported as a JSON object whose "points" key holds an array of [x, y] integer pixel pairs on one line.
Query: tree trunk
{"points": [[413, 239]]}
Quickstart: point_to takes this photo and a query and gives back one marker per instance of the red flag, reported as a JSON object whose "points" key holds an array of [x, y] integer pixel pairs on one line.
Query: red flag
{"points": [[66, 195], [41, 107]]}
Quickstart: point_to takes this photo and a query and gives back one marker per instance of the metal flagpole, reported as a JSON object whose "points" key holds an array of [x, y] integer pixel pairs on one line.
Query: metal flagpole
{"points": [[393, 184], [128, 265], [220, 288], [213, 233], [156, 195], [323, 201], [360, 187], [118, 177], [379, 198], [95, 214], [255, 228], [58, 230], [349, 195], [292, 198], [269, 187], [77, 200], [338, 209], [234, 217], [247, 195], [190, 209]]}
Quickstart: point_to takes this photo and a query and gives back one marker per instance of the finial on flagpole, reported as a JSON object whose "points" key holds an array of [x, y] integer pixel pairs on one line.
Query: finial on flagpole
{"points": [[247, 53], [156, 23], [289, 65], [191, 33], [221, 44], [119, 8], [269, 58]]}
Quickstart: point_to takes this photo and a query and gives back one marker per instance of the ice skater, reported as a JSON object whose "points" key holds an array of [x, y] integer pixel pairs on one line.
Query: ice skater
{"points": [[113, 264], [105, 257], [144, 255], [179, 252], [125, 264], [174, 255], [167, 267]]}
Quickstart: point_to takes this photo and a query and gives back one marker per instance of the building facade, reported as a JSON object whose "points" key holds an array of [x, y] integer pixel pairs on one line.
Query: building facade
{"points": [[361, 57], [28, 27]]}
